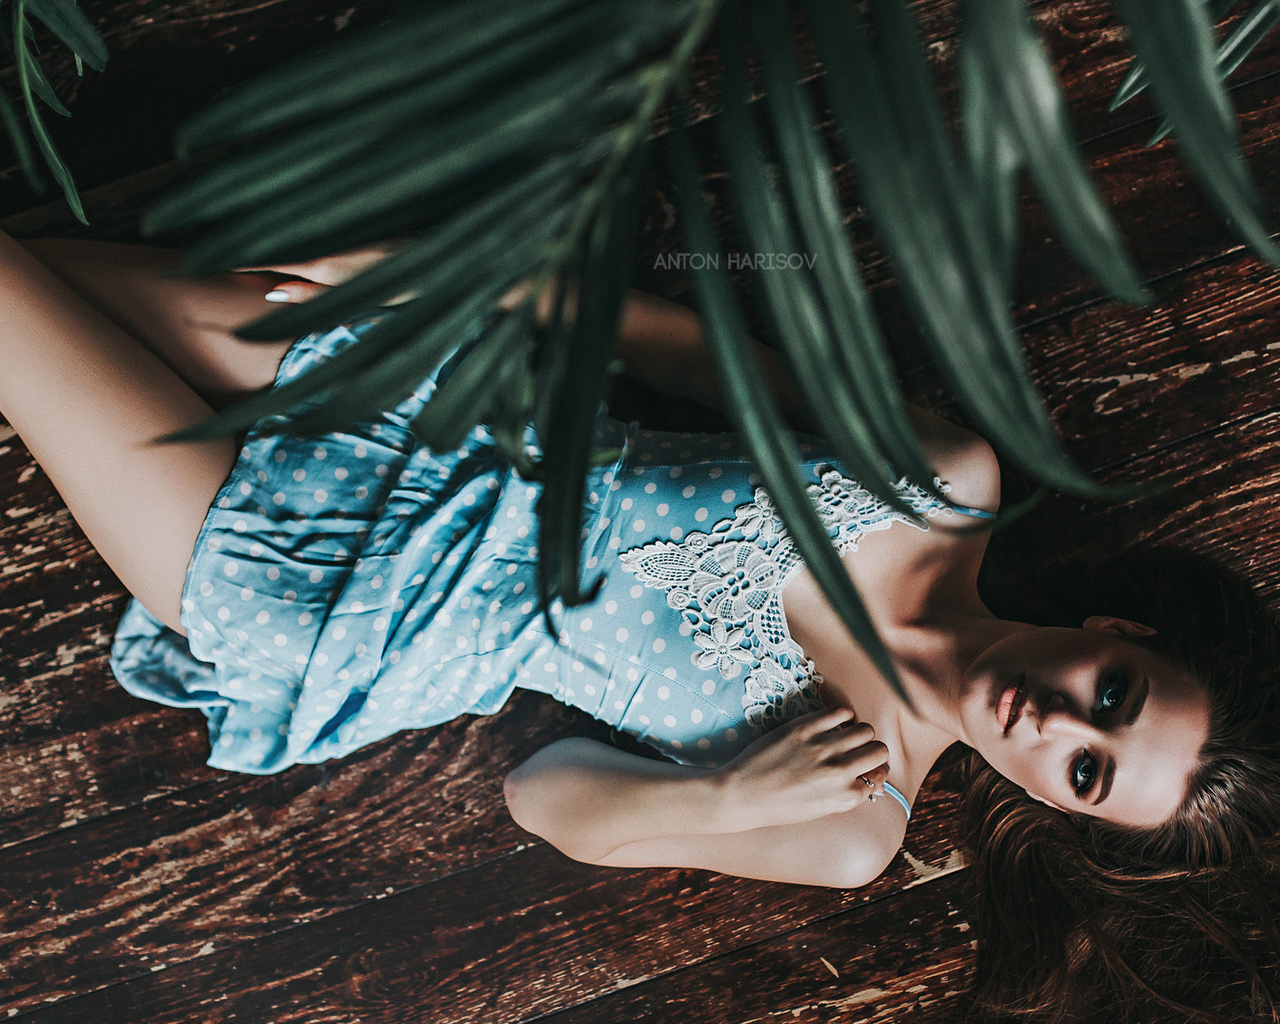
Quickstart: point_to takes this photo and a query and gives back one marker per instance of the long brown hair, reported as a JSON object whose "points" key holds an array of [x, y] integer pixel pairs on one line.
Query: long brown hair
{"points": [[1083, 919]]}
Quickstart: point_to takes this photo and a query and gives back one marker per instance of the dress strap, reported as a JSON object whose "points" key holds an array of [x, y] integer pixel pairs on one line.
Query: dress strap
{"points": [[977, 513], [897, 796]]}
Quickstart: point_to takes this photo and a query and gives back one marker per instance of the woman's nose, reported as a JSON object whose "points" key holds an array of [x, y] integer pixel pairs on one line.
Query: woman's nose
{"points": [[1060, 719]]}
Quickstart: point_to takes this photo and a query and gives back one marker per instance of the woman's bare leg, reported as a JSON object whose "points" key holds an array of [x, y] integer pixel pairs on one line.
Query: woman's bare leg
{"points": [[188, 322], [89, 401]]}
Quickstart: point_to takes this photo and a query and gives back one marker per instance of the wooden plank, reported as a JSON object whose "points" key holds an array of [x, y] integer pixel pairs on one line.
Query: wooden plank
{"points": [[155, 884], [1123, 381], [73, 745], [905, 958], [242, 856], [481, 947]]}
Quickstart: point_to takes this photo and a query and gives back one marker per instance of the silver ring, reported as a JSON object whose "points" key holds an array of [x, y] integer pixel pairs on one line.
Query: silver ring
{"points": [[870, 784]]}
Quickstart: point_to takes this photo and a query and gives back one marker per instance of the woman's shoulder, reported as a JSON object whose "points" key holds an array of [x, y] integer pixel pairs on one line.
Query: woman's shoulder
{"points": [[961, 458]]}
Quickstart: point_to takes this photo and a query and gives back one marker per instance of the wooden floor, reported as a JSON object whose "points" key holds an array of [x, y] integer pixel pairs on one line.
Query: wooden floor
{"points": [[138, 885]]}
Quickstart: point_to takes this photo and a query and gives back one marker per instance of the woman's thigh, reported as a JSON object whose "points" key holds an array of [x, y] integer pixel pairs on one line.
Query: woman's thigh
{"points": [[189, 322], [90, 401]]}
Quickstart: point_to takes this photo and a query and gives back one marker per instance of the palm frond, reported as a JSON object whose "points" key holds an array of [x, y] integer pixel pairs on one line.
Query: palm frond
{"points": [[574, 381], [756, 413], [1135, 82], [1242, 41], [65, 19], [994, 159], [793, 300], [472, 393], [504, 134], [837, 349], [1174, 41], [1009, 61], [892, 125], [423, 47]]}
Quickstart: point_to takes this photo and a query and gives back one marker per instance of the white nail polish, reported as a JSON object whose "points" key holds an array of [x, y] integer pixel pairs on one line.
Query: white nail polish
{"points": [[277, 295]]}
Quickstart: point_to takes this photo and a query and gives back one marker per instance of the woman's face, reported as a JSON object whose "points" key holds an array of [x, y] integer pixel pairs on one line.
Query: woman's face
{"points": [[1087, 721]]}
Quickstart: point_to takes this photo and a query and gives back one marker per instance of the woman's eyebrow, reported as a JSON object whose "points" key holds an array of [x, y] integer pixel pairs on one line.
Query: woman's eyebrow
{"points": [[1135, 708], [1108, 775]]}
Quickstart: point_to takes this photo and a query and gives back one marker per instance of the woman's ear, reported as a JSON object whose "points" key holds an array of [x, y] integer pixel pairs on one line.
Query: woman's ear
{"points": [[1121, 627]]}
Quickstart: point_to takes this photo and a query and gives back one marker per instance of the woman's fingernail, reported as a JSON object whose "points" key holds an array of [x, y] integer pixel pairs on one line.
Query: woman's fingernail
{"points": [[277, 295]]}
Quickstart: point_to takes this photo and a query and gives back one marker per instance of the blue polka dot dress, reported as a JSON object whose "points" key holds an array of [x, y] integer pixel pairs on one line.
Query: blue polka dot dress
{"points": [[349, 586]]}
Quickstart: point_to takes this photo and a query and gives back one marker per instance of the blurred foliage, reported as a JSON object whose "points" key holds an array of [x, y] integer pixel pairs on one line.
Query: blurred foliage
{"points": [[509, 140], [65, 19]]}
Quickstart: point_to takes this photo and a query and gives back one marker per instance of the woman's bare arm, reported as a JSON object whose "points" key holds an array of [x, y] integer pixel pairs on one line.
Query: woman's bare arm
{"points": [[792, 807], [842, 851]]}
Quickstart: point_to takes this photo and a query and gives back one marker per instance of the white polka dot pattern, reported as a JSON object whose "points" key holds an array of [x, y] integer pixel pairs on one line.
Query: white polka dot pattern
{"points": [[349, 586]]}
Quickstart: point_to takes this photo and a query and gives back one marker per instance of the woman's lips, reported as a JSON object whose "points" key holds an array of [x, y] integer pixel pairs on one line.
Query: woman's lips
{"points": [[1009, 708]]}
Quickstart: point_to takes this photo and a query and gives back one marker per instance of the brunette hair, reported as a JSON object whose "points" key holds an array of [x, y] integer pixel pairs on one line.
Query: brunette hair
{"points": [[1084, 919]]}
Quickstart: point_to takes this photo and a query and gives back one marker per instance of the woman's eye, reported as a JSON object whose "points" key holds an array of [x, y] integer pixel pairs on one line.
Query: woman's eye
{"points": [[1112, 692], [1083, 773]]}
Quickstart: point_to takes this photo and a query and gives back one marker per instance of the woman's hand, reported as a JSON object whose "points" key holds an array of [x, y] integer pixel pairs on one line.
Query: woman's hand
{"points": [[308, 279], [819, 764]]}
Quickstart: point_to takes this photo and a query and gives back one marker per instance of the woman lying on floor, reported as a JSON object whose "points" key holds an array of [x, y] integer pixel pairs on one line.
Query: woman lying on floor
{"points": [[313, 595]]}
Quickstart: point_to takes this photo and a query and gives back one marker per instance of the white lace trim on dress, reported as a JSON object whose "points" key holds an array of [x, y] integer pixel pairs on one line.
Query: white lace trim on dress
{"points": [[727, 584]]}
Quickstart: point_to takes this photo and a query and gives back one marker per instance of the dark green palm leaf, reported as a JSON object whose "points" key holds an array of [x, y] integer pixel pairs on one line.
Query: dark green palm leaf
{"points": [[41, 87], [1174, 41], [68, 23], [858, 357], [320, 148], [889, 118], [1136, 80], [1252, 29], [461, 292], [471, 394], [512, 399], [400, 371], [793, 302], [449, 280], [1014, 65], [994, 158], [757, 416], [477, 233], [28, 72], [21, 145], [423, 125], [409, 180], [575, 380], [417, 45]]}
